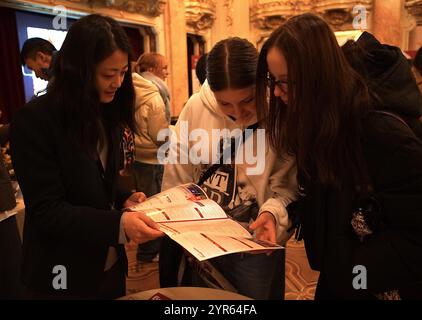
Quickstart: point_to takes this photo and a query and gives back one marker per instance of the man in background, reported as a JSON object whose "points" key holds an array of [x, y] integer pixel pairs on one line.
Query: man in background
{"points": [[153, 67], [38, 54], [11, 286], [201, 68], [152, 115]]}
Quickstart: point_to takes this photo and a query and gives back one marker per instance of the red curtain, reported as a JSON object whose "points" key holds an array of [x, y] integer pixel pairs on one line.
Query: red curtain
{"points": [[12, 95]]}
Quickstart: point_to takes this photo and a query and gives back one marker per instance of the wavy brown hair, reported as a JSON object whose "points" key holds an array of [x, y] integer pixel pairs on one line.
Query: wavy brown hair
{"points": [[321, 125]]}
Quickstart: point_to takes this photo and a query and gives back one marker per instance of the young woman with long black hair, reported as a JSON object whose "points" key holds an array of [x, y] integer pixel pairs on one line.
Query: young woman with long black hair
{"points": [[67, 151]]}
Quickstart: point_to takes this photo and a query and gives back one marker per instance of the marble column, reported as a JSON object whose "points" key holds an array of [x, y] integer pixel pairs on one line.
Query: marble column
{"points": [[386, 24], [177, 52]]}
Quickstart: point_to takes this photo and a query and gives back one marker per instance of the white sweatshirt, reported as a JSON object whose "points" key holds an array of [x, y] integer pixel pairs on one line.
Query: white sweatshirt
{"points": [[231, 186]]}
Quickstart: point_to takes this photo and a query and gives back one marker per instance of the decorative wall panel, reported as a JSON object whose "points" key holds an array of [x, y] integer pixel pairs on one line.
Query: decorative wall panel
{"points": [[200, 14]]}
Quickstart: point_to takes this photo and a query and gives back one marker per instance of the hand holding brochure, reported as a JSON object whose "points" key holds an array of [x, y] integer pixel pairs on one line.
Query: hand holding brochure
{"points": [[198, 224]]}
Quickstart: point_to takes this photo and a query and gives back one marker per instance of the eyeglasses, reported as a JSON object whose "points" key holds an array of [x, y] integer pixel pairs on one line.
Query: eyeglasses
{"points": [[281, 84]]}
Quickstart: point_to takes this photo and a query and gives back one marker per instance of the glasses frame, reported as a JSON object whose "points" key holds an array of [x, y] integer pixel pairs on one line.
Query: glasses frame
{"points": [[281, 84]]}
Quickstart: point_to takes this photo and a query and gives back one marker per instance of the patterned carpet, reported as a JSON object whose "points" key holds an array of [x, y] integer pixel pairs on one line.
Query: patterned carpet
{"points": [[300, 279], [141, 276]]}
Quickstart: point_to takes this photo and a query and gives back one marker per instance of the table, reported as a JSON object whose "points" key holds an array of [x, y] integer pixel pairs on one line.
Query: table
{"points": [[185, 293]]}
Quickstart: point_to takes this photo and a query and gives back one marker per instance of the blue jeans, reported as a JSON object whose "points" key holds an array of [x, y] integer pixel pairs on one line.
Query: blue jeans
{"points": [[148, 179], [257, 276]]}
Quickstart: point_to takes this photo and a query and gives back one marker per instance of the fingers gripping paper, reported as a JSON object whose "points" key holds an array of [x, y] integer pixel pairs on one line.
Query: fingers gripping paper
{"points": [[198, 224]]}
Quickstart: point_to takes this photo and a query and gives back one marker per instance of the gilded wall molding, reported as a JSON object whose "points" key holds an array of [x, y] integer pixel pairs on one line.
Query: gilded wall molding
{"points": [[147, 8], [326, 5], [414, 7], [200, 14], [268, 15], [153, 8], [228, 4], [340, 13]]}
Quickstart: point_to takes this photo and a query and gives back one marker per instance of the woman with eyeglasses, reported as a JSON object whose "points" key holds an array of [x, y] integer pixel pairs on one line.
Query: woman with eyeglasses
{"points": [[257, 200], [359, 169]]}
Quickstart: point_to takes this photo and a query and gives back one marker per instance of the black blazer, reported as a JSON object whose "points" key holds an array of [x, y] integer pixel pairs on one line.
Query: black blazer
{"points": [[70, 220], [392, 256]]}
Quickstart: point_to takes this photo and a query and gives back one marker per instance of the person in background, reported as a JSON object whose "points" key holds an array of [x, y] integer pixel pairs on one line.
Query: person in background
{"points": [[359, 171], [388, 75], [67, 150], [417, 68], [38, 55], [201, 68], [226, 101], [417, 71], [153, 67], [151, 117], [11, 286]]}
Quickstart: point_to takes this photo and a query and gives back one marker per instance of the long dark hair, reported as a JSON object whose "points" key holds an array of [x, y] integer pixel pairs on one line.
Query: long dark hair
{"points": [[321, 126], [231, 64], [89, 41]]}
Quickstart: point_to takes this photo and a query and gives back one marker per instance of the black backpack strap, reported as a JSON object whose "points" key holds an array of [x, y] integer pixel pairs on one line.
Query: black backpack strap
{"points": [[232, 149]]}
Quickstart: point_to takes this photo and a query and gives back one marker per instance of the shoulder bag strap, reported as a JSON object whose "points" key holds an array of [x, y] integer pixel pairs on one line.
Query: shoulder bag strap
{"points": [[232, 149]]}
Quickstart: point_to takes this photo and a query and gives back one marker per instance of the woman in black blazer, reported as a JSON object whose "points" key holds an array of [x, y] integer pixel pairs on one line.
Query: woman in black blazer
{"points": [[67, 152]]}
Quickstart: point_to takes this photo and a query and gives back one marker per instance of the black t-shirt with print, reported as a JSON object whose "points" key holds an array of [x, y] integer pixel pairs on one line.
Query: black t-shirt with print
{"points": [[237, 201]]}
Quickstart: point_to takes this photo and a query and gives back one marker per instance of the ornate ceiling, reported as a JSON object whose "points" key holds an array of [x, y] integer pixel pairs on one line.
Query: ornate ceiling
{"points": [[268, 14]]}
